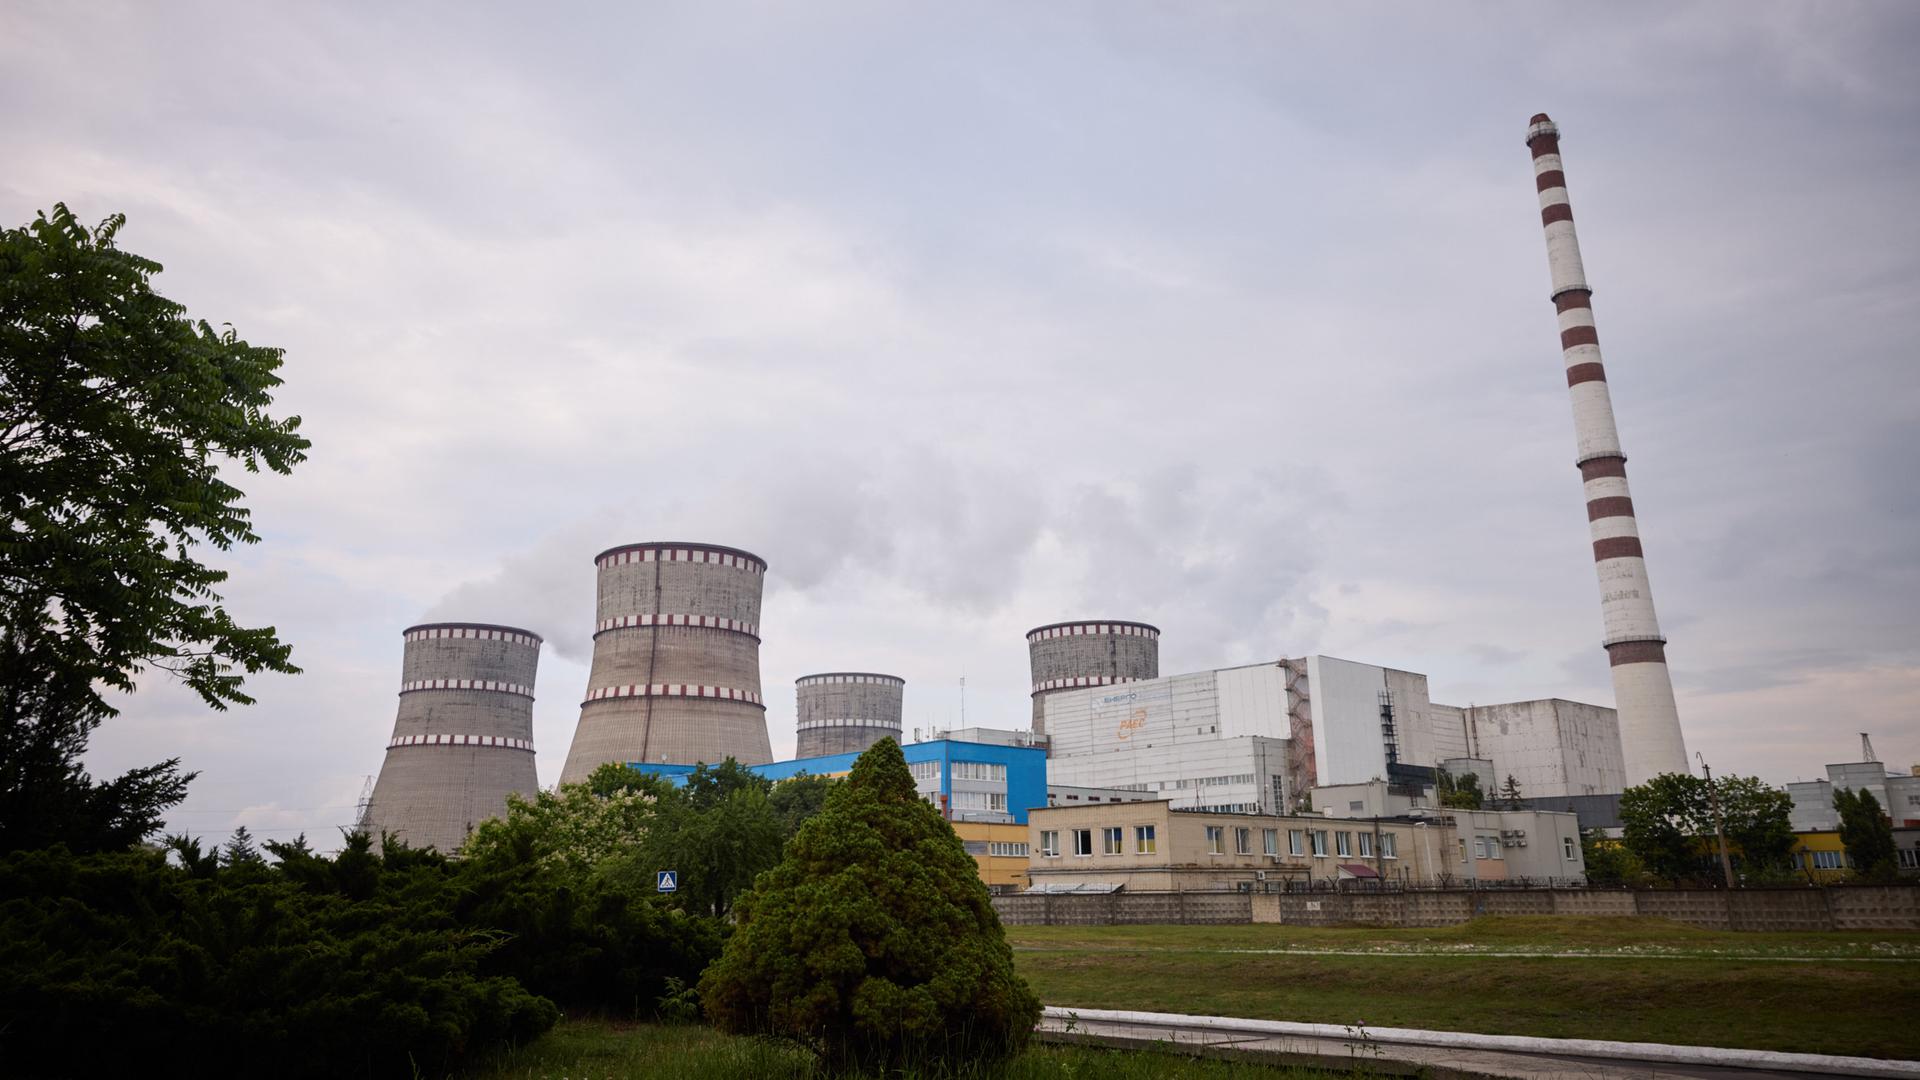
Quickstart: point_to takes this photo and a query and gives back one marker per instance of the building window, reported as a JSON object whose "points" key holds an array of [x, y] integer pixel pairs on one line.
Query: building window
{"points": [[1909, 858], [1270, 841], [1319, 843], [1343, 844], [1463, 849], [1826, 860], [1143, 839], [1566, 846], [980, 800], [1243, 841], [1483, 847], [1387, 851], [1294, 842], [925, 770], [1366, 845], [1050, 842], [979, 770], [1110, 841], [1083, 841], [1216, 840], [1008, 848]]}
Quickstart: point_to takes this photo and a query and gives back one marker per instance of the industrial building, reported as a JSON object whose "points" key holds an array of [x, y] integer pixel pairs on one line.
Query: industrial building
{"points": [[1094, 652], [1154, 846], [463, 736], [1636, 650], [676, 659], [1211, 739], [1259, 738], [1897, 793], [843, 712], [1551, 748]]}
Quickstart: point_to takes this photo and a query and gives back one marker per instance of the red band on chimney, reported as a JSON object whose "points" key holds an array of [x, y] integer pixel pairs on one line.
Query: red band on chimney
{"points": [[1610, 506], [1617, 547]]}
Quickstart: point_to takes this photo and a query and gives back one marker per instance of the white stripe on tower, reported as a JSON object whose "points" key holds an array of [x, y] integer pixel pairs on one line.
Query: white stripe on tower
{"points": [[1642, 688]]}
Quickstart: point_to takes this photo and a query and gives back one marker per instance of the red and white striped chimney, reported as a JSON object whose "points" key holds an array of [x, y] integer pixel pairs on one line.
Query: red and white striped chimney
{"points": [[1642, 690]]}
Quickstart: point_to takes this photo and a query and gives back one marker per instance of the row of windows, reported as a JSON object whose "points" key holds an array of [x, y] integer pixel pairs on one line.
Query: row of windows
{"points": [[1017, 848], [979, 800], [962, 770], [1210, 781], [1344, 843], [1145, 842]]}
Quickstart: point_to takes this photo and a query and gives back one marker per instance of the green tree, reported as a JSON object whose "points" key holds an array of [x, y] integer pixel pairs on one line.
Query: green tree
{"points": [[1759, 823], [1608, 861], [873, 942], [117, 413], [1663, 820], [1867, 834], [576, 827], [717, 833], [798, 798], [1510, 794], [46, 795], [1458, 792]]}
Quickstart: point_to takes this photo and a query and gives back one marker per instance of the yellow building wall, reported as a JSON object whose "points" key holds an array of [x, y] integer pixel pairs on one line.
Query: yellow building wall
{"points": [[1007, 872], [1806, 843]]}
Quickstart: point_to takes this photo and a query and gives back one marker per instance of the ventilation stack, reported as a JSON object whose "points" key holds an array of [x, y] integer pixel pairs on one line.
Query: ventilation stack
{"points": [[1075, 654], [463, 739], [1642, 688], [676, 660], [844, 712]]}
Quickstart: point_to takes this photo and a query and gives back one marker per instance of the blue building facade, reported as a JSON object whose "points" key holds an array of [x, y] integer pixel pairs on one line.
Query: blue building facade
{"points": [[967, 781]]}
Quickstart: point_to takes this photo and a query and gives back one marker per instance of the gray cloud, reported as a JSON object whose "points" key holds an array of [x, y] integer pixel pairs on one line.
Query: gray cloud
{"points": [[1232, 320]]}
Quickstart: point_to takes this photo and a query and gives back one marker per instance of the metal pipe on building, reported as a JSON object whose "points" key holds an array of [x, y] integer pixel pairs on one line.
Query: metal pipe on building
{"points": [[1636, 651], [676, 660], [463, 735], [844, 712], [1071, 655]]}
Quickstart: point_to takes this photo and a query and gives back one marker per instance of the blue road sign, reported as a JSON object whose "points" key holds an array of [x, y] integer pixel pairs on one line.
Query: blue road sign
{"points": [[668, 881]]}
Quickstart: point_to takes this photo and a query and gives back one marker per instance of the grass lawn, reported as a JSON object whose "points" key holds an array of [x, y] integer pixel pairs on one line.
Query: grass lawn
{"points": [[589, 1049], [1643, 980]]}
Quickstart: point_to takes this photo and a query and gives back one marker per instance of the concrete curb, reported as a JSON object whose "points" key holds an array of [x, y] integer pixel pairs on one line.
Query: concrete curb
{"points": [[1718, 1057]]}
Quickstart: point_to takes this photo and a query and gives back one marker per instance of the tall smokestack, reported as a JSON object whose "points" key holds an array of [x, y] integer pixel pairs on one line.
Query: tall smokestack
{"points": [[1642, 689]]}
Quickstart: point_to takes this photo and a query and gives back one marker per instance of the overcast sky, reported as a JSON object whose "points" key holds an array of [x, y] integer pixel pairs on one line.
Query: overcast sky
{"points": [[1232, 318]]}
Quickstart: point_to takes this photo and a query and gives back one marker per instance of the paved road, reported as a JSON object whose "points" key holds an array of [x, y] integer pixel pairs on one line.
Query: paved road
{"points": [[1350, 1050]]}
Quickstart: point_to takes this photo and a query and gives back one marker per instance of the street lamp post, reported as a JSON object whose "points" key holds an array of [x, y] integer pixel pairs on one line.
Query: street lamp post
{"points": [[1719, 820]]}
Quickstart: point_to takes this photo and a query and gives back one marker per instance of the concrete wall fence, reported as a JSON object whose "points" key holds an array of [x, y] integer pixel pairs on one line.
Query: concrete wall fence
{"points": [[1862, 907]]}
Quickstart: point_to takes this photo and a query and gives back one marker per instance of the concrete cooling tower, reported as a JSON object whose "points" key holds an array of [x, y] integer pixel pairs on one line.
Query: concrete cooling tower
{"points": [[1075, 654], [676, 660], [463, 739], [844, 712]]}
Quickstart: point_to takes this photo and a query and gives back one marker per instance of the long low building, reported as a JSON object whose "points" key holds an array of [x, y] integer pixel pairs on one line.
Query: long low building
{"points": [[1156, 847]]}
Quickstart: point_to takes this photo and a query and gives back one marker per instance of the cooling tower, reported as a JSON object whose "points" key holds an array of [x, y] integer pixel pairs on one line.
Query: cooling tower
{"points": [[1071, 654], [463, 739], [676, 660], [844, 712], [1642, 689]]}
